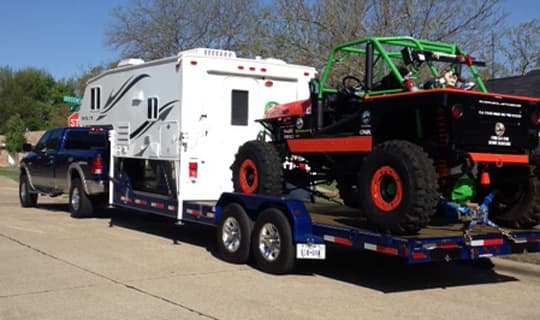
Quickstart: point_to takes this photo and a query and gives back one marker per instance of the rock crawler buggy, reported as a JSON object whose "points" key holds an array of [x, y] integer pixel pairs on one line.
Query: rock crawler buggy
{"points": [[400, 132]]}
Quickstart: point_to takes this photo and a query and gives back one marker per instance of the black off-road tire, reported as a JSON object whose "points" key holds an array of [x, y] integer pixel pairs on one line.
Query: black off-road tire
{"points": [[348, 191], [80, 205], [257, 169], [234, 234], [27, 197], [398, 187], [517, 200], [272, 242]]}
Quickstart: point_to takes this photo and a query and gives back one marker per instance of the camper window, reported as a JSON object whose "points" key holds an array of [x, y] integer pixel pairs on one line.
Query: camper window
{"points": [[95, 98], [239, 107], [153, 111]]}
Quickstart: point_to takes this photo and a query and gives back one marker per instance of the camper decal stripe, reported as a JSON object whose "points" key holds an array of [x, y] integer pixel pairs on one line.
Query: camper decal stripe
{"points": [[164, 110], [114, 98], [139, 129], [115, 95], [163, 113]]}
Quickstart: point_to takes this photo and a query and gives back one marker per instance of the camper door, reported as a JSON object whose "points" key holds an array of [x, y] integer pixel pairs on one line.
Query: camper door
{"points": [[227, 122]]}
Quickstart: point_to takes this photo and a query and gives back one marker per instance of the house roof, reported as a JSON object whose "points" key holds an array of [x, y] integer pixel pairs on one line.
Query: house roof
{"points": [[526, 85]]}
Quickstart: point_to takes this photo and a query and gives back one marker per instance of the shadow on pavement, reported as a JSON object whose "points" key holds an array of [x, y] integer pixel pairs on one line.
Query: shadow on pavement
{"points": [[367, 269], [55, 207], [390, 274]]}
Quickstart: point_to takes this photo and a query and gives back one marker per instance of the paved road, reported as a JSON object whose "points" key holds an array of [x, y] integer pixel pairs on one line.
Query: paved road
{"points": [[128, 266]]}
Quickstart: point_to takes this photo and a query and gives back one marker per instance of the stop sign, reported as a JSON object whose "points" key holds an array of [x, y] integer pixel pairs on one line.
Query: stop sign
{"points": [[73, 120]]}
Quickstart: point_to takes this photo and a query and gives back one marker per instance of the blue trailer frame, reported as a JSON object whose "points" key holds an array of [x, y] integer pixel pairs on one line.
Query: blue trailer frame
{"points": [[322, 224], [433, 243]]}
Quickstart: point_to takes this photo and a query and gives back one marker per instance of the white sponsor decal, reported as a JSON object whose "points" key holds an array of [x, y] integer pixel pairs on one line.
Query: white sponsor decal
{"points": [[497, 103], [499, 141], [499, 114], [364, 132]]}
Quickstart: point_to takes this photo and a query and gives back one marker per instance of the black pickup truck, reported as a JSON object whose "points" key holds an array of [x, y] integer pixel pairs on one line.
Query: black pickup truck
{"points": [[67, 160]]}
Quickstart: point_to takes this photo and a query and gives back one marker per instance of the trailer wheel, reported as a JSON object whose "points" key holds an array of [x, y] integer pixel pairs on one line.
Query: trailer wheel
{"points": [[398, 187], [517, 201], [273, 243], [26, 197], [257, 169], [80, 204], [234, 234]]}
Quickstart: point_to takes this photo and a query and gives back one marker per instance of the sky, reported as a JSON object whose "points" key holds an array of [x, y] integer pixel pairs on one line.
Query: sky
{"points": [[62, 37], [66, 38]]}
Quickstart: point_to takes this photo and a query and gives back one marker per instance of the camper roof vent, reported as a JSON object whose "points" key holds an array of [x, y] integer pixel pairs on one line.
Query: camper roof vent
{"points": [[275, 61], [218, 53], [130, 62]]}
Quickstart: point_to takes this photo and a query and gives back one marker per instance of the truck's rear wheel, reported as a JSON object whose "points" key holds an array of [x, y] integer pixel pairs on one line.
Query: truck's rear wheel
{"points": [[234, 234], [398, 187], [257, 169], [26, 197], [517, 201], [80, 204], [273, 243]]}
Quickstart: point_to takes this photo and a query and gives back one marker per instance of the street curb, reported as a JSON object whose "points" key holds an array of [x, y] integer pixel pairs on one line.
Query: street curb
{"points": [[519, 268]]}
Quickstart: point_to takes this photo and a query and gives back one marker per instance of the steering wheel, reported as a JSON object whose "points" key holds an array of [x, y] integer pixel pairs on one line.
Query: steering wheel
{"points": [[351, 89]]}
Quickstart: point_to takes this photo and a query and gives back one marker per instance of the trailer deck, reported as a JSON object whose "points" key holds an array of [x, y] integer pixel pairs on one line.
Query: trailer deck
{"points": [[443, 239], [315, 225]]}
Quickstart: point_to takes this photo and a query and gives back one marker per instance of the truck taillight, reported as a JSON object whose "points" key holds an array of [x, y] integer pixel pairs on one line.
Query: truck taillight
{"points": [[193, 168], [97, 166], [95, 130]]}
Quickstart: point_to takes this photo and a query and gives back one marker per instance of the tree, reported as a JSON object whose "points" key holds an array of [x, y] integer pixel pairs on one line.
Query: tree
{"points": [[521, 47], [34, 95], [80, 83], [304, 31], [159, 28], [312, 28], [15, 134]]}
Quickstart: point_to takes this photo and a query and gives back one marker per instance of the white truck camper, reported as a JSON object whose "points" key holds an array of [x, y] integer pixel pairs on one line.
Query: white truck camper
{"points": [[176, 123]]}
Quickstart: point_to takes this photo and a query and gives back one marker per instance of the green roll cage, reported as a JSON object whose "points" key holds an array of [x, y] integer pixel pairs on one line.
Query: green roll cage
{"points": [[376, 47]]}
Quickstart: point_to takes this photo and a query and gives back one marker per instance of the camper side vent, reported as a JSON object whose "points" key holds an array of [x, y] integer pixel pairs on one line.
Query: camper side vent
{"points": [[122, 134]]}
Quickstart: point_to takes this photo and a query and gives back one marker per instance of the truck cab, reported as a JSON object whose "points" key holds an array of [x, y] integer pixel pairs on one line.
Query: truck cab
{"points": [[61, 159]]}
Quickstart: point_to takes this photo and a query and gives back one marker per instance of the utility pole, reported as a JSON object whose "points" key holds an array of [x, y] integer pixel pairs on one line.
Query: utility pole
{"points": [[492, 55]]}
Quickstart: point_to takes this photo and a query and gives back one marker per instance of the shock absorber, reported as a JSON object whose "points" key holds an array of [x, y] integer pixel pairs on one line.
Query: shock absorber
{"points": [[442, 141]]}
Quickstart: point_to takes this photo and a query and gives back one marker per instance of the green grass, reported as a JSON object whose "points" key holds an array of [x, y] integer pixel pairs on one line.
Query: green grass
{"points": [[10, 172]]}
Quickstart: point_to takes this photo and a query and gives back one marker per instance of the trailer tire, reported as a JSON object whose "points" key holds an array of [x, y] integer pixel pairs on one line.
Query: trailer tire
{"points": [[27, 198], [272, 242], [234, 234], [80, 204], [398, 187], [257, 169], [517, 201]]}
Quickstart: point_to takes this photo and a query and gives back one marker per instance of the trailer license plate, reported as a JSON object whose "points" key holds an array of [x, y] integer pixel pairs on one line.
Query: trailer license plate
{"points": [[310, 251]]}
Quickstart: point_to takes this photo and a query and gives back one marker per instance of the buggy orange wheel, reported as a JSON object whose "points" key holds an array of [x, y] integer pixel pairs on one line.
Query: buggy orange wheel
{"points": [[248, 177], [386, 189]]}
